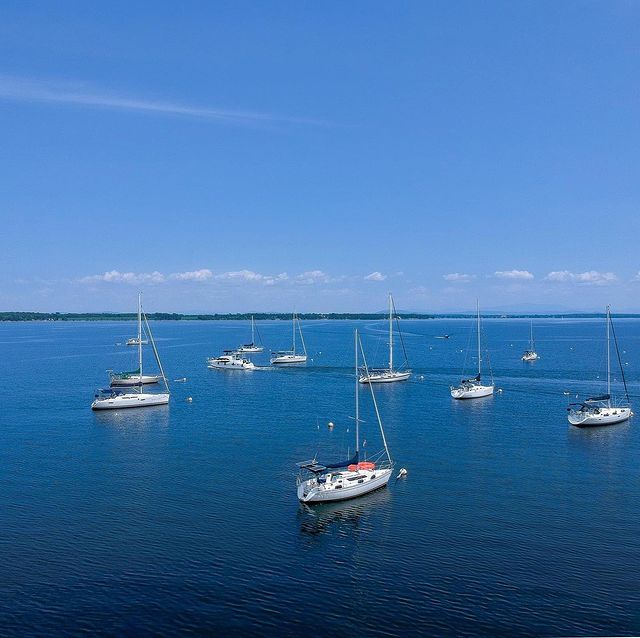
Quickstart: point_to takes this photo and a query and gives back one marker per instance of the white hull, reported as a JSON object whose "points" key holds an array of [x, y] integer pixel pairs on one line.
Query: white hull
{"points": [[385, 376], [530, 357], [230, 365], [599, 416], [134, 342], [289, 358], [472, 392], [130, 400], [341, 489], [250, 349], [146, 379]]}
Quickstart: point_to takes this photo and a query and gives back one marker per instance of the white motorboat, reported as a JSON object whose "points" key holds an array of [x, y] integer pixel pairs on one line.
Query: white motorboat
{"points": [[324, 482], [286, 357], [114, 399], [389, 375], [230, 360], [253, 346], [134, 341], [530, 354], [474, 388], [603, 410]]}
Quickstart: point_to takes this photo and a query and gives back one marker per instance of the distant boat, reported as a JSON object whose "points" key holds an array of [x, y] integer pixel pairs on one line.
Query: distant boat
{"points": [[474, 388], [442, 336], [388, 375], [135, 341], [120, 379], [114, 398], [285, 357], [253, 346], [530, 354], [323, 482], [601, 410], [230, 360]]}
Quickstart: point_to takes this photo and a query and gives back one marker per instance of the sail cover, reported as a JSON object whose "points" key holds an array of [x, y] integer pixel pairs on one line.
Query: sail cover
{"points": [[603, 397], [330, 466]]}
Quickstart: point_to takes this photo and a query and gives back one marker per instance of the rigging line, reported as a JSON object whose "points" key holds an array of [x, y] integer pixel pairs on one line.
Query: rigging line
{"points": [[155, 353], [466, 351], [615, 341], [404, 350]]}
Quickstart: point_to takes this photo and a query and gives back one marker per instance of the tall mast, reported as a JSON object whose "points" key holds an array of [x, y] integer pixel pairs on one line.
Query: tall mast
{"points": [[293, 325], [531, 346], [252, 331], [608, 356], [390, 333], [140, 336], [357, 395], [478, 318]]}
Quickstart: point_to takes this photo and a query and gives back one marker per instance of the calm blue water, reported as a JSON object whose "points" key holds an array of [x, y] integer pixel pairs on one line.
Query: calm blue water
{"points": [[184, 519]]}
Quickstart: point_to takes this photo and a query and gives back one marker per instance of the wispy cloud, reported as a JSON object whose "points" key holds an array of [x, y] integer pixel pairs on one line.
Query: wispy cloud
{"points": [[249, 276], [513, 274], [115, 276], [312, 277], [375, 276], [53, 92], [193, 275], [592, 277], [458, 277]]}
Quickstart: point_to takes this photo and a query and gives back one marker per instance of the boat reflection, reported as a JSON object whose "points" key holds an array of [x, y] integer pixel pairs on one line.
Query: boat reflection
{"points": [[343, 516]]}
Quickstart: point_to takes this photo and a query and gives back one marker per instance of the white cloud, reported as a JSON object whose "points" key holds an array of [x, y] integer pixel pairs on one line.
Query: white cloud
{"points": [[375, 276], [193, 275], [513, 274], [312, 277], [115, 276], [55, 92], [592, 277], [250, 276], [458, 276]]}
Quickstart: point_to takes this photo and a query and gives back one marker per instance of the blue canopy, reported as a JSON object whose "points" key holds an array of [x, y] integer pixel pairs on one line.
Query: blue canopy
{"points": [[330, 466]]}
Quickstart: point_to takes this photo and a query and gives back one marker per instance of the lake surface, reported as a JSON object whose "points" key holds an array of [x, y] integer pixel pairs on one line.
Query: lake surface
{"points": [[184, 519]]}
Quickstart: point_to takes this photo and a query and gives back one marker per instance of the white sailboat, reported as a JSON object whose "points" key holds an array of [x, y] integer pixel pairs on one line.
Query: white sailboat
{"points": [[115, 398], [253, 346], [601, 410], [285, 357], [325, 482], [230, 360], [530, 354], [474, 388], [387, 375], [136, 341]]}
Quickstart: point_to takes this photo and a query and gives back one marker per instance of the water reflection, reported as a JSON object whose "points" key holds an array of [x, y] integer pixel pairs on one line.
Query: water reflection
{"points": [[345, 518], [156, 417]]}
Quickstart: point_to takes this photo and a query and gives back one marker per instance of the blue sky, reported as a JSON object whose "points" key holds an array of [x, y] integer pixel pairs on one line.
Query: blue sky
{"points": [[239, 156]]}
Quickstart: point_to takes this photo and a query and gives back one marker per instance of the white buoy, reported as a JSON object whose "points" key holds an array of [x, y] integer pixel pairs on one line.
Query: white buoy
{"points": [[403, 472], [189, 399], [330, 425]]}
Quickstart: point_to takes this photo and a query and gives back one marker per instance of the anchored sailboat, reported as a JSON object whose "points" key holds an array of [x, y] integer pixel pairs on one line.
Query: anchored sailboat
{"points": [[115, 398], [531, 354], [601, 410], [339, 481], [474, 388], [253, 346], [284, 357], [388, 375]]}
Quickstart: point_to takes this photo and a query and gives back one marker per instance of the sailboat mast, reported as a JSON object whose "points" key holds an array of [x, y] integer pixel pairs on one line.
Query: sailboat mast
{"points": [[531, 346], [252, 331], [390, 333], [140, 335], [478, 320], [608, 356], [357, 395], [293, 334]]}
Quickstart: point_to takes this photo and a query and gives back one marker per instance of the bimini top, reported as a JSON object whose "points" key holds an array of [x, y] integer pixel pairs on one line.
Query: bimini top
{"points": [[317, 467]]}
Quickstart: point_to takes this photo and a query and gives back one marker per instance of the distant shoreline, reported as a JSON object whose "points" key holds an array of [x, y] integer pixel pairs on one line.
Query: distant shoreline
{"points": [[279, 316]]}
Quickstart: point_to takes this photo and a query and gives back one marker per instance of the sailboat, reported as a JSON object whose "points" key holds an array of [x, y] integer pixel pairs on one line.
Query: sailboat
{"points": [[322, 482], [601, 410], [136, 341], [253, 346], [530, 354], [388, 375], [115, 398], [474, 388], [284, 357]]}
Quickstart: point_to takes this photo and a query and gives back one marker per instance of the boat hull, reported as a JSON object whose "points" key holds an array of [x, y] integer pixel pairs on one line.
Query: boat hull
{"points": [[474, 392], [385, 377], [289, 359], [230, 366], [310, 492], [530, 357], [604, 416], [146, 379], [250, 349], [132, 400]]}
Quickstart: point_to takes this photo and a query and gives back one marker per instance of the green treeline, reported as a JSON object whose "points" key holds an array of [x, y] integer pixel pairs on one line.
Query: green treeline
{"points": [[273, 316]]}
